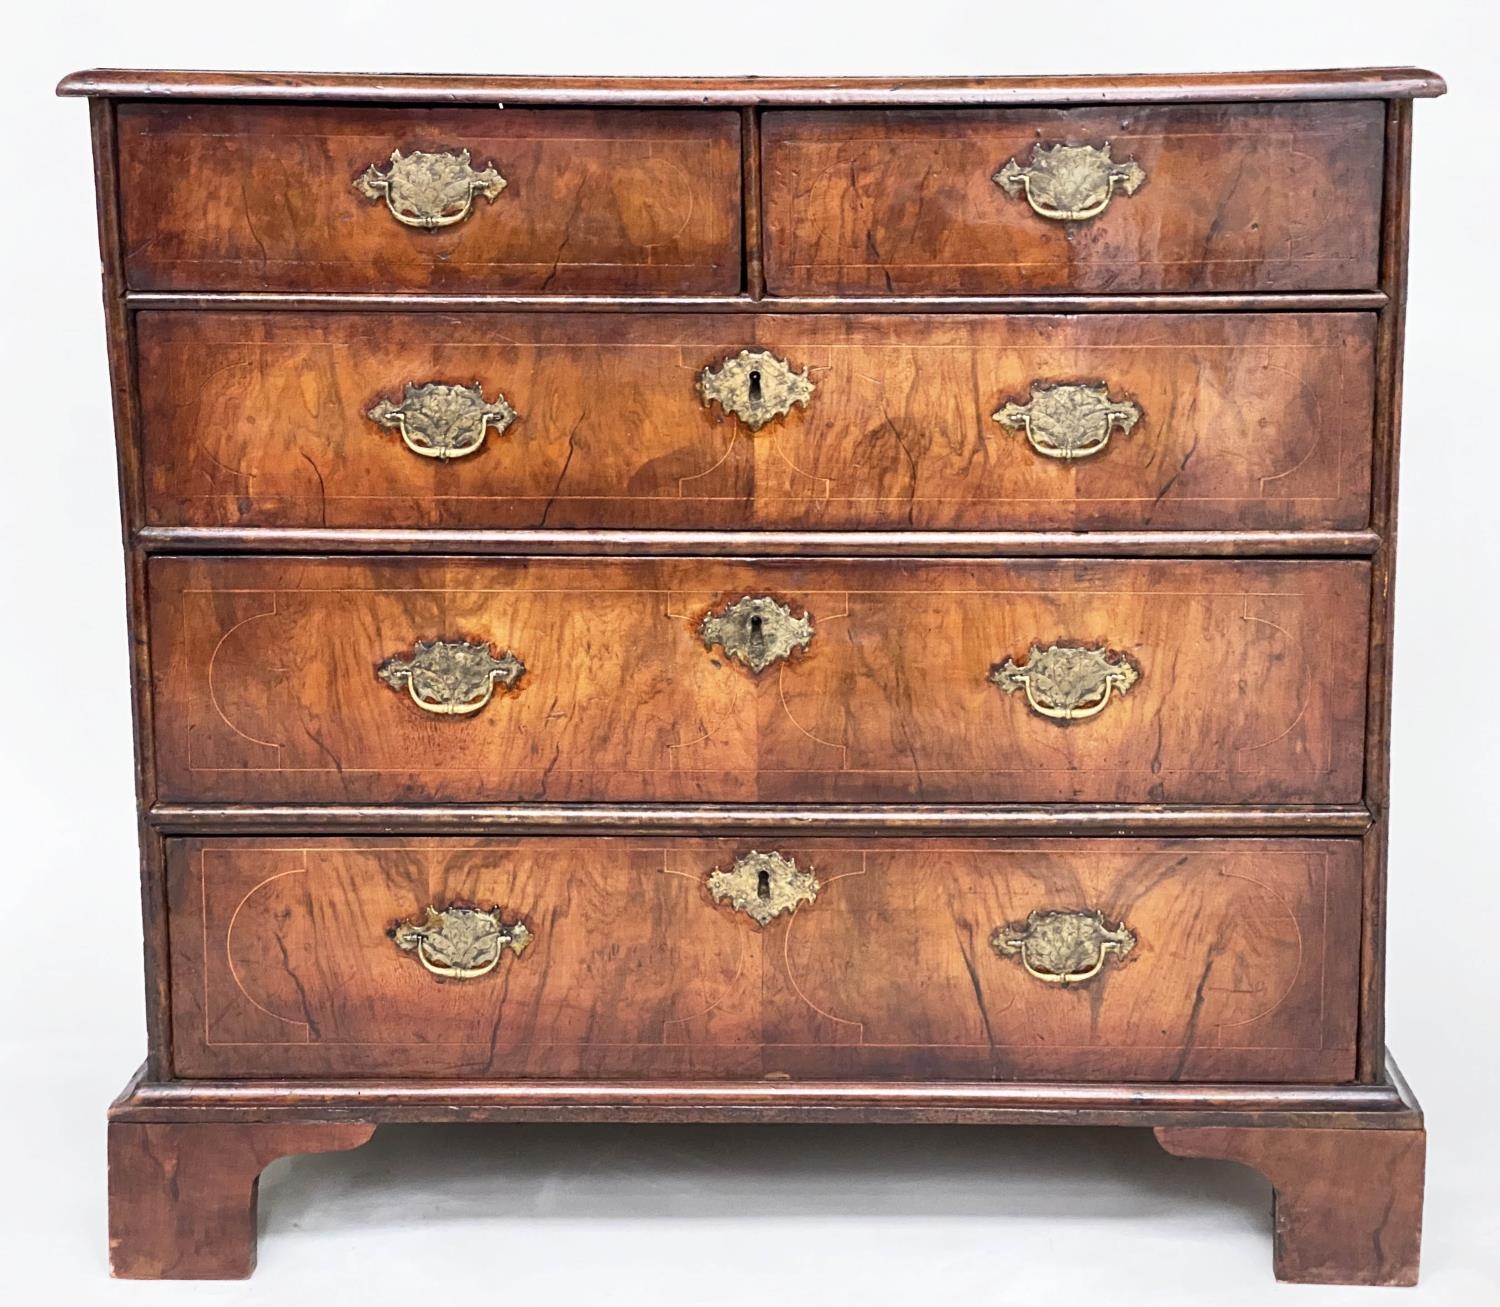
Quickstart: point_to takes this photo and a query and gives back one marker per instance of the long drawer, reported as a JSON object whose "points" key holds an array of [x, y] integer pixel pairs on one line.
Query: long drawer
{"points": [[1189, 421], [1248, 197], [798, 957], [692, 679], [225, 197]]}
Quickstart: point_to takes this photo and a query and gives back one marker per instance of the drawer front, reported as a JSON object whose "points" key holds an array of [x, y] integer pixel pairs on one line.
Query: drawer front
{"points": [[1167, 960], [1187, 421], [1268, 197], [692, 679], [216, 197]]}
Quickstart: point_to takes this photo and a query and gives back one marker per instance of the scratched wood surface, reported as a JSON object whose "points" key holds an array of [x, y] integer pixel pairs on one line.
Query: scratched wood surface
{"points": [[1251, 681], [1247, 421], [1244, 964], [224, 197], [1236, 198]]}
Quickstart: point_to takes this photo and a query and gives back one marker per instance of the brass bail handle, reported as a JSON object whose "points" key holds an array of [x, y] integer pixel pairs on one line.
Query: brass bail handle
{"points": [[1067, 712], [428, 190], [1069, 420], [1070, 183], [442, 421], [1067, 682], [461, 943], [1064, 947], [451, 678]]}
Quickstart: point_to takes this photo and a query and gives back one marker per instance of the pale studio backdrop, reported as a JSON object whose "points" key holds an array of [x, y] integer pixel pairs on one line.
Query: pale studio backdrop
{"points": [[668, 1216]]}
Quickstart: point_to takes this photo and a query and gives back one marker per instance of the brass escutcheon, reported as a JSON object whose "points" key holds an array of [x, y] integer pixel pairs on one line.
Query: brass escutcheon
{"points": [[451, 678], [1067, 682], [1063, 948], [756, 631], [429, 190], [1070, 183], [461, 943], [763, 886], [1069, 419], [440, 421], [755, 386]]}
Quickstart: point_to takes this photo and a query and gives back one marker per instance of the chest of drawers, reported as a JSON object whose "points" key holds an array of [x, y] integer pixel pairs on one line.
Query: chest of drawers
{"points": [[760, 601]]}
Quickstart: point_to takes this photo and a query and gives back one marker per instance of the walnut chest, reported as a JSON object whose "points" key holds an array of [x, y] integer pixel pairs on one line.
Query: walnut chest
{"points": [[760, 601]]}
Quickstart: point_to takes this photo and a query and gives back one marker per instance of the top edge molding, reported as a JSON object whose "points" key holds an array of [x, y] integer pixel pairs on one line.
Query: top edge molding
{"points": [[742, 92]]}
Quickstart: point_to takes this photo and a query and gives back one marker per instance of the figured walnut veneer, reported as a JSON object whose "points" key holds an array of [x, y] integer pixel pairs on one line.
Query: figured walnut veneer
{"points": [[712, 729], [1251, 685], [1249, 421], [1246, 959]]}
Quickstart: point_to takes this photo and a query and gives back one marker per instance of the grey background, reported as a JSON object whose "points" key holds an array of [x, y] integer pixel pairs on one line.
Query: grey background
{"points": [[675, 1215]]}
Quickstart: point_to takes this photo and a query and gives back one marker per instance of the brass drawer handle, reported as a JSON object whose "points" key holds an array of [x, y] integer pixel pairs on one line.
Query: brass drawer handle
{"points": [[755, 387], [1069, 419], [1070, 183], [461, 943], [451, 678], [429, 190], [763, 886], [1063, 948], [1067, 682], [440, 421], [756, 631]]}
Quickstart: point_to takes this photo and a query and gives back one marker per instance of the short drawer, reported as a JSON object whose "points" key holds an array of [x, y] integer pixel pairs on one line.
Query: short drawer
{"points": [[795, 957], [507, 420], [692, 679], [1250, 197], [223, 197]]}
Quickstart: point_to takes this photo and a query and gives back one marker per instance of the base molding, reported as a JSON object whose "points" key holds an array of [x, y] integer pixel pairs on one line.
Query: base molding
{"points": [[1346, 1161], [1385, 1105]]}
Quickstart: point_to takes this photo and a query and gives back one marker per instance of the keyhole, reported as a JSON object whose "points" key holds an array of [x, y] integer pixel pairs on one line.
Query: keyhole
{"points": [[763, 885], [757, 634], [755, 385]]}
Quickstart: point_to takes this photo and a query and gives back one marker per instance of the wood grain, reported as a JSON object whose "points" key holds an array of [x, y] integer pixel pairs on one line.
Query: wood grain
{"points": [[1266, 235], [1236, 197], [223, 197], [432, 302], [1390, 355], [1244, 966], [1257, 421], [390, 1100], [182, 1196], [755, 542], [905, 819], [693, 92], [1251, 682], [1348, 1202]]}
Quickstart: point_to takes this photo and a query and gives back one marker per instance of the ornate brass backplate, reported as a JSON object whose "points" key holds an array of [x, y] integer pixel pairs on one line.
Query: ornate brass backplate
{"points": [[440, 421], [451, 678], [1070, 183], [1069, 419], [755, 386], [1066, 682], [429, 190], [756, 631], [763, 885], [461, 943], [1063, 948]]}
